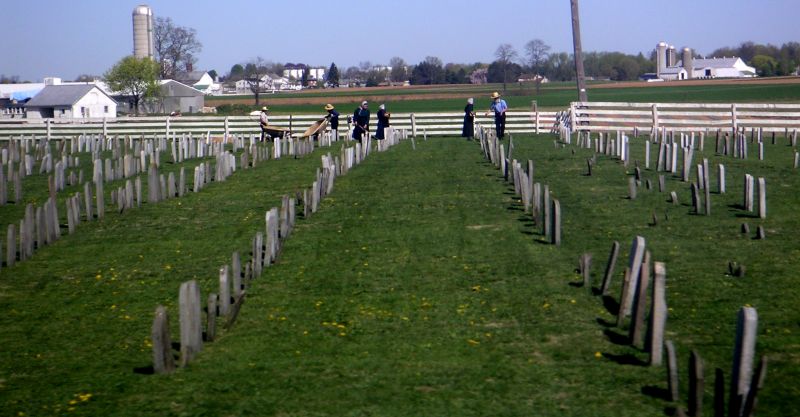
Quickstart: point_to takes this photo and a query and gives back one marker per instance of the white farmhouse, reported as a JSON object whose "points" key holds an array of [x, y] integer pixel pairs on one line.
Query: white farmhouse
{"points": [[71, 101]]}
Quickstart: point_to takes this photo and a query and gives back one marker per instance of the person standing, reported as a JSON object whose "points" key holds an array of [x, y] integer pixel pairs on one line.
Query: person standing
{"points": [[361, 121], [383, 121], [499, 107], [333, 121], [468, 130], [262, 121]]}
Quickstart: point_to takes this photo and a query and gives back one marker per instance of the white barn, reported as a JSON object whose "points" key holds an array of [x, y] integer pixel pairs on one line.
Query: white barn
{"points": [[720, 68], [71, 101]]}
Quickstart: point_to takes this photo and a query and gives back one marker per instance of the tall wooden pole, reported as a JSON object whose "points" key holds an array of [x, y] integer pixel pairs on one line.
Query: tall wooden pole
{"points": [[576, 42]]}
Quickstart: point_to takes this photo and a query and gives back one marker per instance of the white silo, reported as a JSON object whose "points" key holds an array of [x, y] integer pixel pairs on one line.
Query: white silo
{"points": [[143, 32], [661, 58], [688, 62], [672, 59]]}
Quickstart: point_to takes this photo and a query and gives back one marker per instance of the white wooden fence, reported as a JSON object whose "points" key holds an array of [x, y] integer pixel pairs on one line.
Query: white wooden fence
{"points": [[648, 117], [433, 124]]}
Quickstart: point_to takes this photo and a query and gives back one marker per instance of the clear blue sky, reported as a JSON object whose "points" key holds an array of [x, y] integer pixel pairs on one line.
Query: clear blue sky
{"points": [[67, 38]]}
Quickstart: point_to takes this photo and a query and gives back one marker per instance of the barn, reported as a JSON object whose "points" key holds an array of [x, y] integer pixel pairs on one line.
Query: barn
{"points": [[71, 101]]}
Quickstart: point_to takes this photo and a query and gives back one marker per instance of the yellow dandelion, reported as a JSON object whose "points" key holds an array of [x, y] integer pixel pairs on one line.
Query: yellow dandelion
{"points": [[73, 402], [546, 305], [598, 355], [573, 301], [473, 342]]}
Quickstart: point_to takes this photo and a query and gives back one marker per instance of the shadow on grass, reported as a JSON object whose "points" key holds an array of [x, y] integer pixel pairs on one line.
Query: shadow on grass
{"points": [[616, 338], [626, 359], [656, 392], [610, 304], [603, 322]]}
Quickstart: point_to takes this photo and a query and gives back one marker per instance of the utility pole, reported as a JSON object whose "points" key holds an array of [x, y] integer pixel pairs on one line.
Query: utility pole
{"points": [[576, 42]]}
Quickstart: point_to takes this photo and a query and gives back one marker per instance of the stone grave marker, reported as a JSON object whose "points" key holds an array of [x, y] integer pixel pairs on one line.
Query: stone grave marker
{"points": [[163, 362], [224, 291], [640, 303], [658, 315], [743, 354], [211, 317], [672, 371], [190, 321], [762, 198], [612, 261], [585, 265], [556, 223], [638, 247], [696, 384]]}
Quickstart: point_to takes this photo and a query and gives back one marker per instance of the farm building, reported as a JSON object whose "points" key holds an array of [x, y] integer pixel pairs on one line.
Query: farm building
{"points": [[669, 68], [71, 101], [181, 98]]}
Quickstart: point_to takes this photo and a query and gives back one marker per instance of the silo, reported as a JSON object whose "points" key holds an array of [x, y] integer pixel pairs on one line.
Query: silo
{"points": [[661, 58], [143, 32], [688, 62], [671, 56]]}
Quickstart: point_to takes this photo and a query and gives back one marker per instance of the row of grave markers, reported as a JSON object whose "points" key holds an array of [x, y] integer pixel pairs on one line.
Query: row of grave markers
{"points": [[745, 383], [233, 281], [128, 195]]}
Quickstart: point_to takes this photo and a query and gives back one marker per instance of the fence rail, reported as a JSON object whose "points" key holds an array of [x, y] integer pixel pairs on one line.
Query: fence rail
{"points": [[611, 116], [433, 124]]}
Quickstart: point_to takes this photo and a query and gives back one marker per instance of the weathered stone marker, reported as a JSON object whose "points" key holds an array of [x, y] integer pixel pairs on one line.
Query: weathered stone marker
{"points": [[556, 223], [635, 258], [658, 315], [695, 199], [748, 192], [585, 263], [211, 317], [721, 178], [743, 354], [612, 261], [672, 371], [762, 198], [696, 384], [236, 272], [760, 233], [640, 303], [224, 291], [190, 321], [632, 188], [163, 362], [755, 386], [661, 184]]}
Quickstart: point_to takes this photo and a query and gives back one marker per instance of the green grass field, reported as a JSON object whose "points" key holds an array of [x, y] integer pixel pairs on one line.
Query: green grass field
{"points": [[419, 288], [552, 96]]}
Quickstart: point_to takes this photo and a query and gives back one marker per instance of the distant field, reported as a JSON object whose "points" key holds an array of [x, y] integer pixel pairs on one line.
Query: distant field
{"points": [[552, 96]]}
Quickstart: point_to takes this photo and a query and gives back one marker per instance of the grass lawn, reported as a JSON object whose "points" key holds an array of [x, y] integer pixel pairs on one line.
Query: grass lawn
{"points": [[552, 96], [419, 288]]}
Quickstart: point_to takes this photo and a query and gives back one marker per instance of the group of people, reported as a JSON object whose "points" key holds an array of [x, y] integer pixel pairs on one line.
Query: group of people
{"points": [[361, 115], [499, 107]]}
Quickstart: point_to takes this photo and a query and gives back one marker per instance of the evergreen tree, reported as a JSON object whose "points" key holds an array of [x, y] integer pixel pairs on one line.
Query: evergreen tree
{"points": [[332, 78]]}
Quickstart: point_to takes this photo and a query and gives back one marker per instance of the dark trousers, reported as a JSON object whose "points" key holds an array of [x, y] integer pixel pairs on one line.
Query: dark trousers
{"points": [[263, 133], [500, 124]]}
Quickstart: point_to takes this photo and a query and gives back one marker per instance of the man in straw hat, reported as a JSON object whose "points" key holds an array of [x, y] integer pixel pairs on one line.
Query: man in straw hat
{"points": [[499, 107], [333, 120], [262, 120]]}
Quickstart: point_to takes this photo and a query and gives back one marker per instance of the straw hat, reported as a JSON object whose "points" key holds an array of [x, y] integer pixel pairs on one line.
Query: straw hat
{"points": [[264, 108], [495, 95], [329, 106]]}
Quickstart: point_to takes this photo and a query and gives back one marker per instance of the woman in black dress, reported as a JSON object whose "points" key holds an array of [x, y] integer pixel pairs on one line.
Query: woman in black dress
{"points": [[383, 122], [468, 131]]}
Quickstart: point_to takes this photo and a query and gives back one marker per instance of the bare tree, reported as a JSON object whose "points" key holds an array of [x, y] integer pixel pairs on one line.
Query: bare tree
{"points": [[254, 72], [505, 55], [399, 69], [175, 46], [536, 51]]}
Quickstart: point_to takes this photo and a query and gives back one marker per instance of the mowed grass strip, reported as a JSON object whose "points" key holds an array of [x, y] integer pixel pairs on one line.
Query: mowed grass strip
{"points": [[417, 289], [77, 315]]}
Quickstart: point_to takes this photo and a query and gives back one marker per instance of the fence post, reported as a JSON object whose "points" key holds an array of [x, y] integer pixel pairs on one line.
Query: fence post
{"points": [[48, 128], [167, 127], [535, 106], [734, 125], [105, 126], [413, 125]]}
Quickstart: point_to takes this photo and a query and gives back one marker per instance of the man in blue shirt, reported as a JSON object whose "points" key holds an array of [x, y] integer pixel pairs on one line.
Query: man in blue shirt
{"points": [[499, 108]]}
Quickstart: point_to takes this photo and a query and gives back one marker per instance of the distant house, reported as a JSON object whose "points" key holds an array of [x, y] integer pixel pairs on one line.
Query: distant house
{"points": [[268, 83], [71, 101], [296, 71], [199, 80]]}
